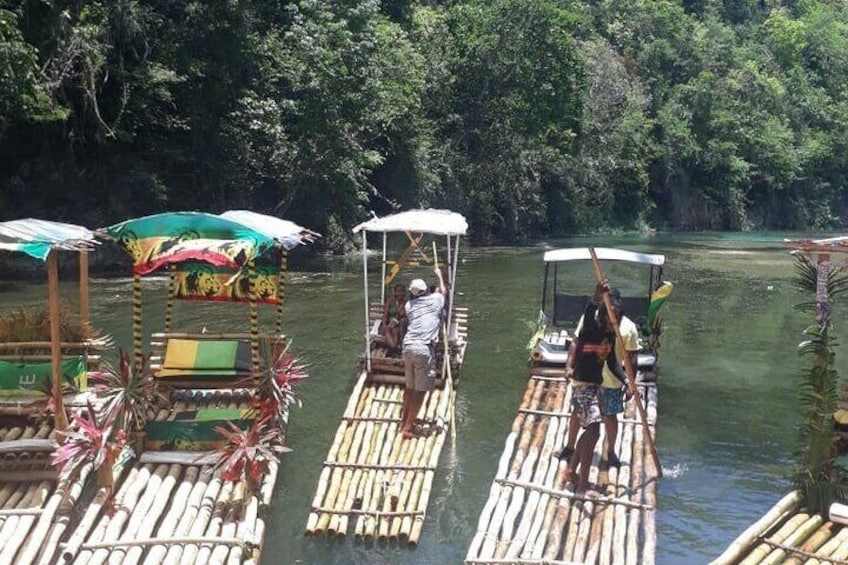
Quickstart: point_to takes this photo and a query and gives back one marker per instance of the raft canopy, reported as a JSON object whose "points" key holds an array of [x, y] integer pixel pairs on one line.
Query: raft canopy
{"points": [[604, 254], [174, 237], [837, 244], [37, 238], [432, 221], [286, 234]]}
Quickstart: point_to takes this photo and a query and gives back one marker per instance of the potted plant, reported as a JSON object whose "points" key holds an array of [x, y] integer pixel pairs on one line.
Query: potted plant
{"points": [[274, 388], [247, 453], [88, 440], [129, 396]]}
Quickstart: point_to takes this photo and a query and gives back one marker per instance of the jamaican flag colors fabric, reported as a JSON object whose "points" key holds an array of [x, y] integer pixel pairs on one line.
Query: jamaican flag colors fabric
{"points": [[658, 298], [194, 430], [202, 281], [205, 358], [26, 379], [174, 237]]}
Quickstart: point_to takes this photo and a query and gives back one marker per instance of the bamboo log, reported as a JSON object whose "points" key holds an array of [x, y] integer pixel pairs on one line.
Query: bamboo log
{"points": [[424, 497], [804, 531], [228, 530], [16, 528], [207, 525], [200, 502], [423, 446], [742, 544], [27, 445], [762, 550], [115, 523], [813, 543], [93, 510], [649, 543], [159, 504], [833, 549]]}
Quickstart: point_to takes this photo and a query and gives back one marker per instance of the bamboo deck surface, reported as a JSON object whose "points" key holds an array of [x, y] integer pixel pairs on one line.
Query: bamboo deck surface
{"points": [[172, 511], [529, 517], [788, 533], [374, 482], [33, 515]]}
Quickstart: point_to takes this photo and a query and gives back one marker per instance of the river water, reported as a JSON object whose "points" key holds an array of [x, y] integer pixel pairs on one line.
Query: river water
{"points": [[727, 410]]}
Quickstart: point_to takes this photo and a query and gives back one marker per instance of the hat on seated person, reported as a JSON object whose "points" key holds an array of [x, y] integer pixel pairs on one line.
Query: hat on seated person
{"points": [[417, 287]]}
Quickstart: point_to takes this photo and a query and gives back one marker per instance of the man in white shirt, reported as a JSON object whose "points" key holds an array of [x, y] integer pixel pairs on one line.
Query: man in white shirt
{"points": [[423, 321]]}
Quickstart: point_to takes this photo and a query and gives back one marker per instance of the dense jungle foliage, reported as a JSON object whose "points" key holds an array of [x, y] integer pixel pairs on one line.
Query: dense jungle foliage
{"points": [[531, 118]]}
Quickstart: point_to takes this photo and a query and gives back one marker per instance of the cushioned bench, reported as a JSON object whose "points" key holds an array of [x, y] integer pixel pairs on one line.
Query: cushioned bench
{"points": [[203, 363]]}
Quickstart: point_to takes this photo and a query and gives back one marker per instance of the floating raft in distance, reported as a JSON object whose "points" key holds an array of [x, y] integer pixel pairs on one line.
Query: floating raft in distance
{"points": [[529, 517]]}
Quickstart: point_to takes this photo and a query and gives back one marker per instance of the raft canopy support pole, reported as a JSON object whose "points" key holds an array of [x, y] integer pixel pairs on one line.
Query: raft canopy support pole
{"points": [[367, 308]]}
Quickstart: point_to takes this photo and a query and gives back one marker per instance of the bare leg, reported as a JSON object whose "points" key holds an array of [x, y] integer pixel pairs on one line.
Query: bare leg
{"points": [[416, 398], [611, 426], [585, 448]]}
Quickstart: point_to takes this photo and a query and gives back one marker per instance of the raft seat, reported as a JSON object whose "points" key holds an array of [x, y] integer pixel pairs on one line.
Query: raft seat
{"points": [[201, 362]]}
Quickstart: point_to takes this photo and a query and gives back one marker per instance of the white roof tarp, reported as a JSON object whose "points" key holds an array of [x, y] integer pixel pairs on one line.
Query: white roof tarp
{"points": [[285, 233], [37, 237], [603, 254], [439, 222]]}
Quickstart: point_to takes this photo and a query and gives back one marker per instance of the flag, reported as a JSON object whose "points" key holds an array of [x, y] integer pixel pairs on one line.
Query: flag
{"points": [[658, 298]]}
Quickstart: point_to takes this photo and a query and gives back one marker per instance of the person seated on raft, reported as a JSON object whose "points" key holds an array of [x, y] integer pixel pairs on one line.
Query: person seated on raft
{"points": [[394, 318]]}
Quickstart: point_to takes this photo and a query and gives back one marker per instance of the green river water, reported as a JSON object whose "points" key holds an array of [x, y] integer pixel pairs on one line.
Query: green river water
{"points": [[727, 412]]}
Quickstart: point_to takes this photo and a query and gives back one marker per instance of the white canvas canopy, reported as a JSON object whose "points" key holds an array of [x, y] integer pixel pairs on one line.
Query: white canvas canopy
{"points": [[37, 237], [439, 222], [287, 234], [603, 253]]}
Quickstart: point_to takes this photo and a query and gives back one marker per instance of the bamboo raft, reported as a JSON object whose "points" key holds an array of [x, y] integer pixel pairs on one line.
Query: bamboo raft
{"points": [[169, 507], [35, 510], [373, 480], [529, 517], [788, 533]]}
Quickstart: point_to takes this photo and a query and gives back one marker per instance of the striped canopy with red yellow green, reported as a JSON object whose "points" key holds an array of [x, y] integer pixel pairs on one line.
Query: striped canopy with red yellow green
{"points": [[174, 237]]}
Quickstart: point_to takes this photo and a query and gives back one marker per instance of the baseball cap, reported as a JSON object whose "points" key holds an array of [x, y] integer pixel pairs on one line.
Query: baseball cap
{"points": [[417, 287]]}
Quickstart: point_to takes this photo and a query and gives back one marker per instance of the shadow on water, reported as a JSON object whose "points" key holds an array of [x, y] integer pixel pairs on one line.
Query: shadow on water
{"points": [[727, 411]]}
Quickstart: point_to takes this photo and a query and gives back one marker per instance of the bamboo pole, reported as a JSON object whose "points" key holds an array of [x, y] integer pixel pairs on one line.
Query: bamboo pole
{"points": [[762, 550], [159, 501], [746, 539], [628, 363], [208, 525], [650, 491], [830, 546], [61, 417], [93, 510], [200, 501], [228, 530], [637, 478], [16, 528], [83, 291]]}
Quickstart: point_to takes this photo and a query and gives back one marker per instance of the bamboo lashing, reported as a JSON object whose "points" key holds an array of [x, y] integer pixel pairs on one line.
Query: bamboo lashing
{"points": [[628, 362]]}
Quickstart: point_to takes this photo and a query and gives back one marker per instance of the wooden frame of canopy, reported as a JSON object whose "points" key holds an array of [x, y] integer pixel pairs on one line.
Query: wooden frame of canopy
{"points": [[414, 224], [42, 239]]}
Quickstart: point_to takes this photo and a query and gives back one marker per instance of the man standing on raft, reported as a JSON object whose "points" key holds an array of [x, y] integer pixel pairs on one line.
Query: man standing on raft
{"points": [[423, 320]]}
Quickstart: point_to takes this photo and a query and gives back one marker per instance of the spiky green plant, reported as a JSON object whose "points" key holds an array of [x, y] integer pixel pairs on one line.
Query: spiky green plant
{"points": [[815, 475], [130, 395]]}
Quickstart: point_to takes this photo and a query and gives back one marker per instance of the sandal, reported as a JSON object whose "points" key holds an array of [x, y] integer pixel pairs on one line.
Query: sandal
{"points": [[563, 454]]}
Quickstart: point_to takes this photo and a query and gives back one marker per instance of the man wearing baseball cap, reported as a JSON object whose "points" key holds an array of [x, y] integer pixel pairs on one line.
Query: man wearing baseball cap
{"points": [[424, 318]]}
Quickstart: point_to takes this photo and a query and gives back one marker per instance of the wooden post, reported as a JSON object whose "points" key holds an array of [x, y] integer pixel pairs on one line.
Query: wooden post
{"points": [[172, 291], [55, 337], [83, 290], [630, 369]]}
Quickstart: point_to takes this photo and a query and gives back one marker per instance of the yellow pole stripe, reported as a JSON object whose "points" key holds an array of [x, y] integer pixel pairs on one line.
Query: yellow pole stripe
{"points": [[169, 305], [254, 318], [137, 340], [281, 289]]}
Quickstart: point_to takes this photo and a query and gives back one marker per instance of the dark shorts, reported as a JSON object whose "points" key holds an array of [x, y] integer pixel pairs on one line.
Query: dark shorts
{"points": [[612, 401], [419, 368], [584, 401]]}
